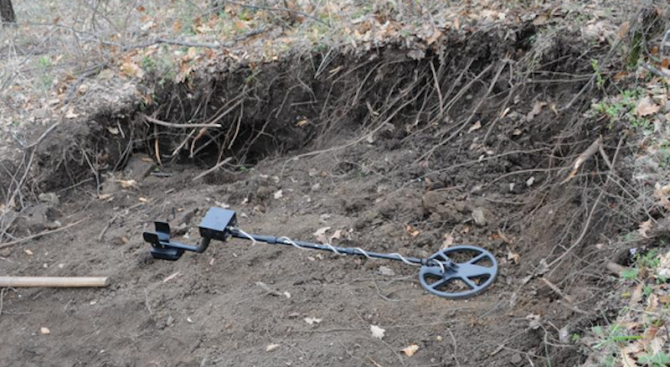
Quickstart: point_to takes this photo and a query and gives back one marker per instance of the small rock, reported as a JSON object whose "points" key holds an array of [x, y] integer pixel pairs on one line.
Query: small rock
{"points": [[139, 167], [49, 198], [478, 216], [384, 270], [110, 186], [41, 113], [516, 359], [432, 200], [477, 189], [264, 192], [54, 225], [170, 320], [36, 218], [145, 258]]}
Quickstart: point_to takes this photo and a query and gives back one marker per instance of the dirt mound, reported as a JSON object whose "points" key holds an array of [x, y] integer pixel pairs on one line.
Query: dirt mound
{"points": [[396, 154]]}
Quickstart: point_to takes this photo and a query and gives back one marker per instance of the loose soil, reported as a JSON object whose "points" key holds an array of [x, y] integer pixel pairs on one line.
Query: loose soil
{"points": [[400, 185]]}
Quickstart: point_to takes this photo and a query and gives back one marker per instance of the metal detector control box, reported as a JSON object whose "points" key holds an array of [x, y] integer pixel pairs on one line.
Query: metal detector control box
{"points": [[216, 224]]}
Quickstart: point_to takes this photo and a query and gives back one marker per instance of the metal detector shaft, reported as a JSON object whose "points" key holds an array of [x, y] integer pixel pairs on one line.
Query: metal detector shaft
{"points": [[234, 232], [437, 275]]}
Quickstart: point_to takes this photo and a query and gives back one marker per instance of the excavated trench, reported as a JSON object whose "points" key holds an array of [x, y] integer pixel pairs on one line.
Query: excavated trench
{"points": [[466, 145]]}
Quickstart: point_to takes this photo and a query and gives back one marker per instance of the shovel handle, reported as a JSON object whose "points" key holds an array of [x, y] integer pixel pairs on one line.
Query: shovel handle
{"points": [[54, 282]]}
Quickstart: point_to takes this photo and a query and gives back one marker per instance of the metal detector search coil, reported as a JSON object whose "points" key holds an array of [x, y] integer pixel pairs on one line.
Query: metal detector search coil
{"points": [[440, 275]]}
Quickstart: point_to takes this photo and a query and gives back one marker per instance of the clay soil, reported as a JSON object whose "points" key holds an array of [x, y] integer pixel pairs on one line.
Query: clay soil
{"points": [[378, 187]]}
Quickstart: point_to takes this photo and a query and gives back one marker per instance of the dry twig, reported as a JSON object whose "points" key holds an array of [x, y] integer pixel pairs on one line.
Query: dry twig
{"points": [[217, 166], [170, 124], [44, 233]]}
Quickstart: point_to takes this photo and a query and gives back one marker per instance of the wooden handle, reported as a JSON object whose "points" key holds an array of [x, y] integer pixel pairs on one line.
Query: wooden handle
{"points": [[60, 282]]}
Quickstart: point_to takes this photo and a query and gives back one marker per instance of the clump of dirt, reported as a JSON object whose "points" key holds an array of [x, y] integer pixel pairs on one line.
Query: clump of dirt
{"points": [[393, 154]]}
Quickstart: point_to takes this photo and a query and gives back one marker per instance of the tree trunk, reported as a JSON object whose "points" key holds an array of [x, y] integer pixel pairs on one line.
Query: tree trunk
{"points": [[7, 12]]}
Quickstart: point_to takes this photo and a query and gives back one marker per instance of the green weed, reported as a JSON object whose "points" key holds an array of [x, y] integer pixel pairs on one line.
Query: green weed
{"points": [[45, 79], [621, 108], [600, 80], [659, 359], [614, 335]]}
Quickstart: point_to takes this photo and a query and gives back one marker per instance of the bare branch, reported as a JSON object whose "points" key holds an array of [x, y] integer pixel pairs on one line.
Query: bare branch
{"points": [[179, 126]]}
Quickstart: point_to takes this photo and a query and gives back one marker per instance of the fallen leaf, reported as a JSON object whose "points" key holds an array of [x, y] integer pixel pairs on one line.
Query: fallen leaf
{"points": [[436, 34], [70, 113], [113, 130], [377, 332], [148, 25], [627, 360], [646, 107], [623, 29], [504, 237], [477, 125], [45, 331], [534, 321], [448, 240], [320, 234], [542, 19], [412, 231], [409, 351], [537, 108], [132, 70], [652, 303], [513, 257], [279, 194], [336, 236], [644, 228], [312, 320], [301, 123], [661, 194], [30, 253], [222, 205], [636, 297], [104, 197], [177, 25], [271, 347], [127, 184]]}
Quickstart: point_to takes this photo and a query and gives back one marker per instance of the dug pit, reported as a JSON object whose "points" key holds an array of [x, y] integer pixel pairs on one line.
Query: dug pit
{"points": [[467, 144]]}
